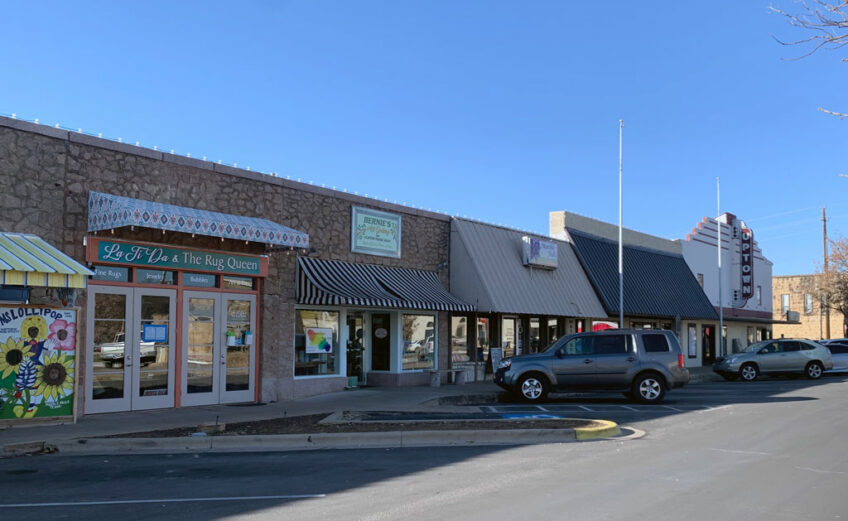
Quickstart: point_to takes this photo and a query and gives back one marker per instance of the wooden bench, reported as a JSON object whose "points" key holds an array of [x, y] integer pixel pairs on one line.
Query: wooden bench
{"points": [[457, 376]]}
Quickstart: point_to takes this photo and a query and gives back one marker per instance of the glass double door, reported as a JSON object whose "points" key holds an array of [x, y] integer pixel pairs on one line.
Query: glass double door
{"points": [[130, 348], [219, 354]]}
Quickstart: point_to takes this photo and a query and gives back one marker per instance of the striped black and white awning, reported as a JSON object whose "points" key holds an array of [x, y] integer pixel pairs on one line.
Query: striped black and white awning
{"points": [[337, 283]]}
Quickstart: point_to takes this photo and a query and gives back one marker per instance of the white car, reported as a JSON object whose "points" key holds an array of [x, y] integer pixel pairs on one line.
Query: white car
{"points": [[113, 352], [838, 352]]}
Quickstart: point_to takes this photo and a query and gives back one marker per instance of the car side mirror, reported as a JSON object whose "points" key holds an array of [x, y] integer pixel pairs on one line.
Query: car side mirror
{"points": [[559, 353], [762, 351]]}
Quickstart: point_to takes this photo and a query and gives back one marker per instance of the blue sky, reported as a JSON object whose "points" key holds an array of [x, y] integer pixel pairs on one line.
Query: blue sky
{"points": [[497, 110]]}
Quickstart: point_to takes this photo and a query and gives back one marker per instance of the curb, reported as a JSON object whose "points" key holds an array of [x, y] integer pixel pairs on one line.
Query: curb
{"points": [[606, 429], [327, 441]]}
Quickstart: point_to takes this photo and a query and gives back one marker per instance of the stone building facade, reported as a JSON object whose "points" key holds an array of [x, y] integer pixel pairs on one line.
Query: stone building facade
{"points": [[46, 175], [797, 294]]}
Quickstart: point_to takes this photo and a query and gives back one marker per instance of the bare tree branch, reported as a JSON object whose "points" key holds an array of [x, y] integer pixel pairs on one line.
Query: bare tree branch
{"points": [[827, 20], [832, 113]]}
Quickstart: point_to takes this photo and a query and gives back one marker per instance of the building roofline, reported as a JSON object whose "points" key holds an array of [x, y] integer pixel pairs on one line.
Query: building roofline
{"points": [[149, 153]]}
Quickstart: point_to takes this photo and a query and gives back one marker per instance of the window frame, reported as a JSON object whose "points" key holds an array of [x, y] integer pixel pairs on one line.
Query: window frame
{"points": [[340, 355], [434, 318]]}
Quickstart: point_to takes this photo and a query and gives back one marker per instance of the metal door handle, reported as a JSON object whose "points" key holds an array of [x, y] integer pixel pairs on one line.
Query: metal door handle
{"points": [[587, 361], [631, 359]]}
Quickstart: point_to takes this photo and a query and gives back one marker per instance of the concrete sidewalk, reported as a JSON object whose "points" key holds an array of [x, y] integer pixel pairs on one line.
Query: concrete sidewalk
{"points": [[408, 399]]}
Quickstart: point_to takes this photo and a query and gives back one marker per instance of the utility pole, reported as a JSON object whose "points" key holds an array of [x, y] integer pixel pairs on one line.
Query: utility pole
{"points": [[826, 311]]}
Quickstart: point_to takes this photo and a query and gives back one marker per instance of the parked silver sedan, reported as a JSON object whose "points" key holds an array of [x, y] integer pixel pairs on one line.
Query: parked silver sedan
{"points": [[777, 356]]}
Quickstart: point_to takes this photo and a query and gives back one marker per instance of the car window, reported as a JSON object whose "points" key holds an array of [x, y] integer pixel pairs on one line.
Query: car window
{"points": [[610, 344], [655, 343], [792, 346], [581, 345], [772, 347], [806, 346], [837, 349]]}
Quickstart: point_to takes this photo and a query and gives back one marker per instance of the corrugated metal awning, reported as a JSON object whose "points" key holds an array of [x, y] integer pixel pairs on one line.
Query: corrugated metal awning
{"points": [[107, 211], [487, 269], [28, 260], [656, 283], [326, 282]]}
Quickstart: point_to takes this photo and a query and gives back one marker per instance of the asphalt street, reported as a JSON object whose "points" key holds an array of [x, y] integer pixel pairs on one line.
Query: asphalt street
{"points": [[767, 450]]}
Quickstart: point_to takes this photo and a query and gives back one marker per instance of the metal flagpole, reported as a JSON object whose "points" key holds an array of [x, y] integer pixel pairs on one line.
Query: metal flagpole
{"points": [[620, 221], [720, 348]]}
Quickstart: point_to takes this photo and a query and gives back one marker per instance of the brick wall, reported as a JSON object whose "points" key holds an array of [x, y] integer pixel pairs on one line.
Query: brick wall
{"points": [[812, 325]]}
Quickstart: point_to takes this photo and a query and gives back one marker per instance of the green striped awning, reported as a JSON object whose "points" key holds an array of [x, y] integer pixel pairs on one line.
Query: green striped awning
{"points": [[27, 260]]}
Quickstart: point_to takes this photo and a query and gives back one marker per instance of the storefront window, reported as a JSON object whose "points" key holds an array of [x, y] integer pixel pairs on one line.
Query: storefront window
{"points": [[482, 339], [419, 342], [552, 330], [460, 350], [508, 337], [535, 337], [316, 342]]}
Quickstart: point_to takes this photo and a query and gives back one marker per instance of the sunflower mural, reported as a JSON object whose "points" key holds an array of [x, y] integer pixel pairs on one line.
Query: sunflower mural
{"points": [[12, 355], [55, 377], [37, 359]]}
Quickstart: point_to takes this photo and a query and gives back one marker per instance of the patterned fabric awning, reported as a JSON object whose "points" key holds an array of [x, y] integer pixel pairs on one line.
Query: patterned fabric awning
{"points": [[326, 282], [27, 260], [107, 211]]}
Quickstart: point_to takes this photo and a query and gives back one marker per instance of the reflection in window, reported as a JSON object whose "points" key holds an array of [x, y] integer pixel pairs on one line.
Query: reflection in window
{"points": [[482, 339], [109, 341], [534, 335], [460, 350], [508, 337], [419, 342], [316, 342], [552, 330]]}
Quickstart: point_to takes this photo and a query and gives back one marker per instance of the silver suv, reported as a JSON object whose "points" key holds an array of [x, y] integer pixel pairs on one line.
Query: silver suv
{"points": [[642, 363], [777, 356]]}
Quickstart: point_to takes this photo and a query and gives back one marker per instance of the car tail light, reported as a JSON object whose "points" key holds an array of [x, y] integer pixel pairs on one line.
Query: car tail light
{"points": [[680, 361]]}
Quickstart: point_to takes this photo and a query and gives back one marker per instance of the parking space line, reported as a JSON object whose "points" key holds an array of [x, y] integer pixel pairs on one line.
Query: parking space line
{"points": [[542, 408], [673, 408], [629, 408], [585, 408]]}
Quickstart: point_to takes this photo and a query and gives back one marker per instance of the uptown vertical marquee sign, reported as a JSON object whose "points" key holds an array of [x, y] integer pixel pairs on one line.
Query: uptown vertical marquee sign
{"points": [[746, 249]]}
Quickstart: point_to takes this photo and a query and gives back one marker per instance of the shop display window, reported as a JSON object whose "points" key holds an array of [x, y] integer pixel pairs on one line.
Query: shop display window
{"points": [[419, 342], [316, 342], [460, 350], [482, 339]]}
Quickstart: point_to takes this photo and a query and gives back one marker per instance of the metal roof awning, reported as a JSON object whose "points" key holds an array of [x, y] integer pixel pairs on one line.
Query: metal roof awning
{"points": [[28, 260], [487, 268], [656, 283], [326, 282], [107, 211]]}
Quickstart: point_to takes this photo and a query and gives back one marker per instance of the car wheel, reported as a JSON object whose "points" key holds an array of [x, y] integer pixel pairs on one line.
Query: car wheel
{"points": [[730, 377], [532, 388], [814, 370], [648, 388], [749, 372]]}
